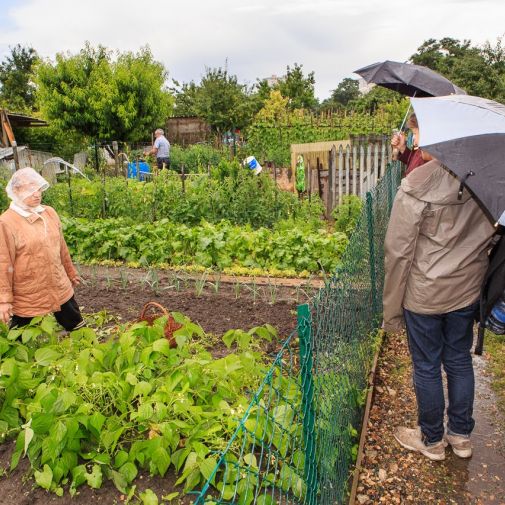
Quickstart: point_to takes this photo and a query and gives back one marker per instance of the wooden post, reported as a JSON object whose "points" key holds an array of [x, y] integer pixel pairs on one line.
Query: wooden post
{"points": [[383, 159], [15, 154], [340, 174], [347, 170], [354, 170], [376, 164], [309, 183], [330, 204], [115, 148], [183, 179], [362, 169], [319, 185], [369, 181]]}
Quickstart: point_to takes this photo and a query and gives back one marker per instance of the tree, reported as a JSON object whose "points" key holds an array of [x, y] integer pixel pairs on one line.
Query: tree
{"points": [[345, 92], [275, 110], [17, 92], [261, 93], [377, 98], [185, 99], [104, 98], [220, 99], [298, 88], [478, 70]]}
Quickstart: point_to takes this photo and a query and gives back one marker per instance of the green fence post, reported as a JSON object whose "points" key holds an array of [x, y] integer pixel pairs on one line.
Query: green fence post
{"points": [[306, 359], [371, 250]]}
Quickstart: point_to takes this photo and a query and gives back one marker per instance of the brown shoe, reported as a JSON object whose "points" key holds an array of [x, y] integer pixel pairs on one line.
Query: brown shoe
{"points": [[461, 446], [411, 439]]}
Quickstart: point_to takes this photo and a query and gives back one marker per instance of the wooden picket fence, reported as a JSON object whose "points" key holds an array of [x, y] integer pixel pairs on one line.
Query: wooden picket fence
{"points": [[352, 168]]}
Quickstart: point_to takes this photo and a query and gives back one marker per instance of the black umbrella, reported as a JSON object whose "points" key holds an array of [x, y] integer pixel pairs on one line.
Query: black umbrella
{"points": [[408, 79]]}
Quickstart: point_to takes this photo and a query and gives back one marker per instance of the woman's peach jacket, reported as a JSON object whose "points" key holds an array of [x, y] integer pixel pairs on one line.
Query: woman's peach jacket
{"points": [[35, 265]]}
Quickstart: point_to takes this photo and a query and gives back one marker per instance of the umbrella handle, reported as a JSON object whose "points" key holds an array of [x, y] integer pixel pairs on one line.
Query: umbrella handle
{"points": [[405, 117], [407, 113]]}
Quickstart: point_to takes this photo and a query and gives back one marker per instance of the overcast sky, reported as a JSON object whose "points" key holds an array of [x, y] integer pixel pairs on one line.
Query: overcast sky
{"points": [[257, 38]]}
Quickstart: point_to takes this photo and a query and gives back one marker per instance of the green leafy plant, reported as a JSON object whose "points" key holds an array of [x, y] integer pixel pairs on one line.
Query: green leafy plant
{"points": [[89, 408]]}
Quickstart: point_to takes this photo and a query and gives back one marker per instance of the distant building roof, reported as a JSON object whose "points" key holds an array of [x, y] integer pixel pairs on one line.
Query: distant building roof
{"points": [[273, 80]]}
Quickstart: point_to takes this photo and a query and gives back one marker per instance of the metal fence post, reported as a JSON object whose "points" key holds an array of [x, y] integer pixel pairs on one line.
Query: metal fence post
{"points": [[306, 359], [371, 250]]}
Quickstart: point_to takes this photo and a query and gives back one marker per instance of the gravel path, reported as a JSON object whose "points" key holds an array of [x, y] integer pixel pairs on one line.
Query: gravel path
{"points": [[393, 475]]}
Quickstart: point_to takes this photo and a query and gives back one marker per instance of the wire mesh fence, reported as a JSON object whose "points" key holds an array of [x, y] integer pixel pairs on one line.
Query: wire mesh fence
{"points": [[297, 441]]}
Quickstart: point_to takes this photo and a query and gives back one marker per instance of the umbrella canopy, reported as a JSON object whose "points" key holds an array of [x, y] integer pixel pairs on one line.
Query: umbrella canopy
{"points": [[408, 79], [467, 134]]}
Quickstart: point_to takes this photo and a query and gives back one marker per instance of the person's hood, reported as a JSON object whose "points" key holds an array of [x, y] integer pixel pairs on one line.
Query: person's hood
{"points": [[434, 183]]}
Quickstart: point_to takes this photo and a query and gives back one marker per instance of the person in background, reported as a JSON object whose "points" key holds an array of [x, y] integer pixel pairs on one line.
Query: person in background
{"points": [[411, 157], [161, 149], [37, 275], [435, 260]]}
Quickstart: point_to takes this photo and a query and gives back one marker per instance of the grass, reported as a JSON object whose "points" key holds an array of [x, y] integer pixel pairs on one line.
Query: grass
{"points": [[495, 347]]}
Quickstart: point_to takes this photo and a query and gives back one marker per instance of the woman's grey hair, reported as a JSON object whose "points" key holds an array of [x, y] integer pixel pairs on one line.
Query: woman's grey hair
{"points": [[160, 131]]}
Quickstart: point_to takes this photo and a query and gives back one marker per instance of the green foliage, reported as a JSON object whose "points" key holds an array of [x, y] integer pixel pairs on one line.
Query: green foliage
{"points": [[96, 406], [274, 129], [220, 99], [347, 214], [17, 92], [196, 158], [213, 246], [52, 139], [231, 193], [478, 70], [380, 99], [102, 98], [297, 88], [345, 92]]}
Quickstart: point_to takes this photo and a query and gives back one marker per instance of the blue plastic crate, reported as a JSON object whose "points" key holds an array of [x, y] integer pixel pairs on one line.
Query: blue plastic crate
{"points": [[144, 168]]}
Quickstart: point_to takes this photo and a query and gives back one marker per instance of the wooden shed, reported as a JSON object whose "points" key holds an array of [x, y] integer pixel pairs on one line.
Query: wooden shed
{"points": [[187, 130], [10, 120]]}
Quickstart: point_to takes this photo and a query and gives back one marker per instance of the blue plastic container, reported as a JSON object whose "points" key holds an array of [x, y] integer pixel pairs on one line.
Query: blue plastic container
{"points": [[144, 168]]}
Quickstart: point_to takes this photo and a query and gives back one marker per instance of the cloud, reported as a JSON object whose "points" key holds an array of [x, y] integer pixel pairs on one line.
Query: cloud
{"points": [[257, 39]]}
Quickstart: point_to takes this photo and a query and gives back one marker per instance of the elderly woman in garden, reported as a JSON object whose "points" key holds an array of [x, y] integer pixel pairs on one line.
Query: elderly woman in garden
{"points": [[36, 272]]}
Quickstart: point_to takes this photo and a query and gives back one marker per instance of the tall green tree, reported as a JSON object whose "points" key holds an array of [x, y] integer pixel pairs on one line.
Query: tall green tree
{"points": [[378, 98], [185, 98], [17, 91], [298, 88], [478, 70], [220, 99], [345, 92], [102, 97]]}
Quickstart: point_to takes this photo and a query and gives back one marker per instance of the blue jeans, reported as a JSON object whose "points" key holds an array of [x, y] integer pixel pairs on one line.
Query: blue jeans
{"points": [[436, 340]]}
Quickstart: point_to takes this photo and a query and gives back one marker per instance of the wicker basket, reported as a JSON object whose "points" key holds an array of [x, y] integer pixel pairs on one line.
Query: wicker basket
{"points": [[152, 311]]}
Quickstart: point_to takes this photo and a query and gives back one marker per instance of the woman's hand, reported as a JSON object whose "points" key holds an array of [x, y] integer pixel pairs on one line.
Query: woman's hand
{"points": [[76, 281], [5, 312], [398, 140]]}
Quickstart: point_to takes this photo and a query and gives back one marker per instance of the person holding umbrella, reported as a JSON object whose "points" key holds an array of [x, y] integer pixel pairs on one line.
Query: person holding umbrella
{"points": [[412, 158], [435, 260], [409, 80]]}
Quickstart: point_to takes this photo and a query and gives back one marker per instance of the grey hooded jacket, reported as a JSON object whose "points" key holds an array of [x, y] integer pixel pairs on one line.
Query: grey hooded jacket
{"points": [[435, 247]]}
